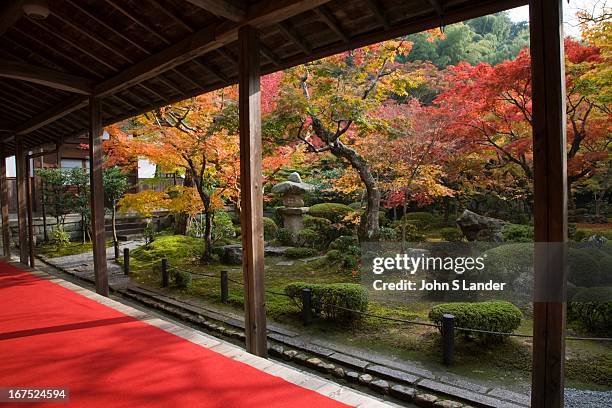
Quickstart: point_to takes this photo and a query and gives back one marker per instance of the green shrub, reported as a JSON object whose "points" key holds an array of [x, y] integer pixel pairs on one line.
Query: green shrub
{"points": [[344, 242], [579, 235], [182, 279], [451, 234], [498, 316], [388, 234], [222, 227], [334, 212], [517, 233], [270, 228], [284, 236], [605, 270], [317, 223], [423, 221], [300, 252], [307, 238], [333, 255], [60, 236], [508, 261], [357, 205], [326, 298], [592, 307], [149, 235], [583, 269], [413, 234], [350, 262]]}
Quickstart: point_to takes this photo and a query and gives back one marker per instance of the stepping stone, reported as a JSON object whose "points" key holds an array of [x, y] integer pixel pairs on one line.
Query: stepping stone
{"points": [[284, 263]]}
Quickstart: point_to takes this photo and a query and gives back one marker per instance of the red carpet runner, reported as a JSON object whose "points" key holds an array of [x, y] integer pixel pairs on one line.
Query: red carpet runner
{"points": [[53, 337]]}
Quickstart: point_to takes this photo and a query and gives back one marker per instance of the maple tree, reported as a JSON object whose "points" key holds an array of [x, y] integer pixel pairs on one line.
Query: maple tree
{"points": [[489, 109], [329, 104]]}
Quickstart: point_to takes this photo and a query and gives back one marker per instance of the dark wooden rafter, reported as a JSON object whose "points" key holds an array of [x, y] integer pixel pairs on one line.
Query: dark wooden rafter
{"points": [[10, 13], [438, 7], [332, 22], [222, 8], [294, 37], [270, 55], [378, 13], [47, 77]]}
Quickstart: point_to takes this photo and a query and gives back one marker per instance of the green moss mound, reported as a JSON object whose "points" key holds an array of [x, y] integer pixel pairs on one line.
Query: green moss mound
{"points": [[173, 247]]}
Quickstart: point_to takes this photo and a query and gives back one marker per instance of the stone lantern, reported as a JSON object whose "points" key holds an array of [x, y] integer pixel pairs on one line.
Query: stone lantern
{"points": [[293, 190]]}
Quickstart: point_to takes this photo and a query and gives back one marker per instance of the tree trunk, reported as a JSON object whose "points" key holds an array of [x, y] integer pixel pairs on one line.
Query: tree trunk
{"points": [[207, 257]]}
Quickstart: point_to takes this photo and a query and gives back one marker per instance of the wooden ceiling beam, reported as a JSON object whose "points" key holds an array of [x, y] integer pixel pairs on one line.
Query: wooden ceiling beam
{"points": [[47, 77], [437, 5], [332, 22], [58, 111], [208, 39], [222, 8], [292, 36], [378, 13], [10, 12]]}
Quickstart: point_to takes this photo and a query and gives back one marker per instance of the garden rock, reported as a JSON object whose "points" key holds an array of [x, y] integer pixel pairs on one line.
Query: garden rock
{"points": [[478, 227], [402, 392], [231, 254], [425, 400], [381, 386], [365, 378], [447, 404], [352, 376], [338, 372], [313, 362]]}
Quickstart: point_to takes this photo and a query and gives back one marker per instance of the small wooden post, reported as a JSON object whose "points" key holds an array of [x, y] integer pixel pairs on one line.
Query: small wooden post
{"points": [[6, 232], [251, 192], [29, 213], [126, 261], [306, 306], [164, 272], [21, 201], [224, 287], [550, 201], [97, 197], [448, 339]]}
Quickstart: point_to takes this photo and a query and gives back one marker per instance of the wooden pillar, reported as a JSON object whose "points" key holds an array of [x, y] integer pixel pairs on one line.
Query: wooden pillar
{"points": [[550, 202], [4, 205], [251, 193], [97, 196], [28, 182], [21, 200]]}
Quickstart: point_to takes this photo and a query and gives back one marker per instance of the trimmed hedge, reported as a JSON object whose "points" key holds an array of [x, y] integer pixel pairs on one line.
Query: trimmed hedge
{"points": [[451, 234], [517, 233], [583, 268], [498, 316], [284, 236], [423, 221], [344, 242], [334, 212], [592, 307], [300, 252], [325, 298], [307, 238], [182, 279], [270, 228]]}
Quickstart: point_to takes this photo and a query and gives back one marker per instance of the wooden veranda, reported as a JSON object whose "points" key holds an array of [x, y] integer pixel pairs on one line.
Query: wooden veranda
{"points": [[70, 67]]}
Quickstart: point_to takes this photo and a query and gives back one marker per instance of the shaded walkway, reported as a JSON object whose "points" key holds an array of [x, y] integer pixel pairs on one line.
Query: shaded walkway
{"points": [[51, 336]]}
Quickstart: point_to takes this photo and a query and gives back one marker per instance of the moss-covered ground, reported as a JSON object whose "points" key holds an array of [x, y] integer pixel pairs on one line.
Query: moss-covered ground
{"points": [[588, 365]]}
